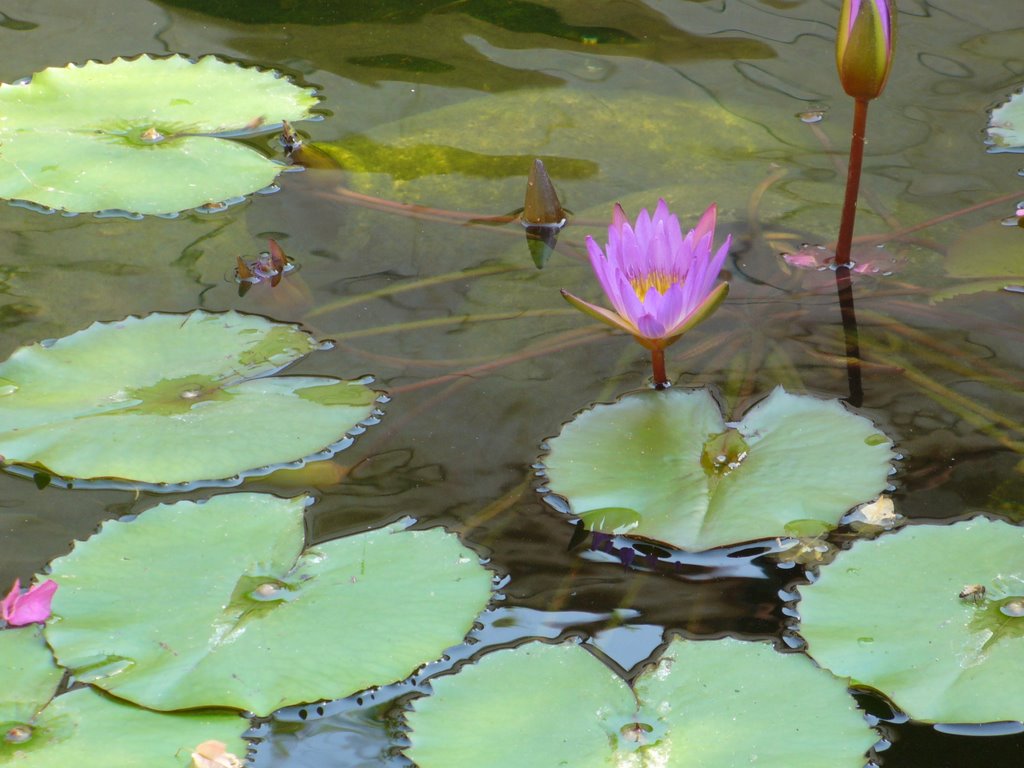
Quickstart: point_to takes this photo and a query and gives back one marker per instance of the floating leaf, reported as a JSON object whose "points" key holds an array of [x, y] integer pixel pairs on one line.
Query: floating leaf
{"points": [[29, 676], [88, 730], [707, 704], [172, 399], [889, 614], [141, 135], [84, 728], [695, 482], [217, 604], [1006, 125]]}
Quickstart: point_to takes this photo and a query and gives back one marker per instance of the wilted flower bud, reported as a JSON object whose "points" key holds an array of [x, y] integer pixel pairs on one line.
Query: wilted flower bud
{"points": [[864, 46]]}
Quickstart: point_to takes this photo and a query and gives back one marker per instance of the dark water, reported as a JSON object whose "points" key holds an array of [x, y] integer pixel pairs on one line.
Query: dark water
{"points": [[449, 103]]}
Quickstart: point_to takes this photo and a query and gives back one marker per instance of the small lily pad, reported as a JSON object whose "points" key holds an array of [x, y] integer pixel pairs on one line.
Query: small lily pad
{"points": [[143, 135], [84, 728], [218, 604], [172, 399], [668, 464], [706, 704], [889, 614], [1006, 125]]}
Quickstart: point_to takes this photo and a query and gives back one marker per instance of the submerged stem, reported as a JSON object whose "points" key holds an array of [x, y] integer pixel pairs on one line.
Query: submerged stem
{"points": [[860, 119]]}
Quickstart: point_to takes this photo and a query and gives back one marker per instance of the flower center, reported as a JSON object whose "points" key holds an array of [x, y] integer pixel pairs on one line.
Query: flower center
{"points": [[661, 281]]}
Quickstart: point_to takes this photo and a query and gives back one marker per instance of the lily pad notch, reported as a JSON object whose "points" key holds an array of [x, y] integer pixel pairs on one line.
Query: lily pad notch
{"points": [[144, 136], [173, 402], [705, 704], [222, 604], [664, 465]]}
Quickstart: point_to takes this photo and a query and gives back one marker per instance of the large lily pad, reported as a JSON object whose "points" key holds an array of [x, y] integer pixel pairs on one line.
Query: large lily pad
{"points": [[217, 604], [86, 729], [1006, 125], [172, 399], [29, 675], [888, 614], [712, 704], [664, 465], [141, 135]]}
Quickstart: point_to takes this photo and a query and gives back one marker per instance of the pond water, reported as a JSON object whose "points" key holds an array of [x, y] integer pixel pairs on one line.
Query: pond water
{"points": [[445, 105]]}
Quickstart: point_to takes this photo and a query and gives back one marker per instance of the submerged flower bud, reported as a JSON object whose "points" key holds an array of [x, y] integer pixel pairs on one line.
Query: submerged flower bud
{"points": [[542, 205], [864, 46]]}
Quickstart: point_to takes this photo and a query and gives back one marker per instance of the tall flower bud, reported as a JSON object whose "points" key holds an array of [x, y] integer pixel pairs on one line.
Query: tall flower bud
{"points": [[864, 46]]}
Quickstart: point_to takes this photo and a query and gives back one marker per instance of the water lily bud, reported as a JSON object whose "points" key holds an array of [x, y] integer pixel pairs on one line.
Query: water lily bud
{"points": [[864, 46], [542, 205]]}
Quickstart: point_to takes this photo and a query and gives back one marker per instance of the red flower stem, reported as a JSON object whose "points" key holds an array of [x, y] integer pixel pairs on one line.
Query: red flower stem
{"points": [[860, 119], [851, 338], [658, 364]]}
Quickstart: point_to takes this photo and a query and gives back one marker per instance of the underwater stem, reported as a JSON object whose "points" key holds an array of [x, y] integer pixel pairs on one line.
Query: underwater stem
{"points": [[860, 119], [844, 287]]}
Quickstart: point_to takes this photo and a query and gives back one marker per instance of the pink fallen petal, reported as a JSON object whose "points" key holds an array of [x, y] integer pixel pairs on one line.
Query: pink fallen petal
{"points": [[19, 609]]}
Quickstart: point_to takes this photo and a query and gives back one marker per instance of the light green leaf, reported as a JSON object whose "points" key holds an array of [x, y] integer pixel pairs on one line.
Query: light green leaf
{"points": [[217, 604], [697, 483], [1006, 125], [28, 678], [88, 730], [172, 399], [84, 728], [726, 703], [535, 705], [141, 135], [707, 704], [888, 614]]}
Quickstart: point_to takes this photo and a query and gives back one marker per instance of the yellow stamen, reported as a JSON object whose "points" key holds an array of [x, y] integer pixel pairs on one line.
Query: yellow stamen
{"points": [[658, 280]]}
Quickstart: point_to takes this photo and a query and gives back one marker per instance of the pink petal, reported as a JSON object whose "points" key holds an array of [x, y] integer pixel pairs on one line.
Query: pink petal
{"points": [[598, 313], [650, 327], [619, 217], [632, 309], [34, 605], [707, 222], [607, 274], [7, 605], [673, 309]]}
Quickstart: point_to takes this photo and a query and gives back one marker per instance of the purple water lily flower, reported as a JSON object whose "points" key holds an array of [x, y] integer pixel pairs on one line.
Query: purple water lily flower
{"points": [[19, 609], [660, 283]]}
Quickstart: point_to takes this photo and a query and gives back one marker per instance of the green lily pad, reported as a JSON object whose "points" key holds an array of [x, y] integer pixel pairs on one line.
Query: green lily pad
{"points": [[142, 135], [668, 463], [712, 704], [29, 676], [173, 399], [888, 614], [86, 729], [217, 604], [1006, 125]]}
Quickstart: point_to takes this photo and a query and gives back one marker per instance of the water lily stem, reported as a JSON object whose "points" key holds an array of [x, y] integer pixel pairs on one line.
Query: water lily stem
{"points": [[851, 338], [658, 364], [860, 119]]}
